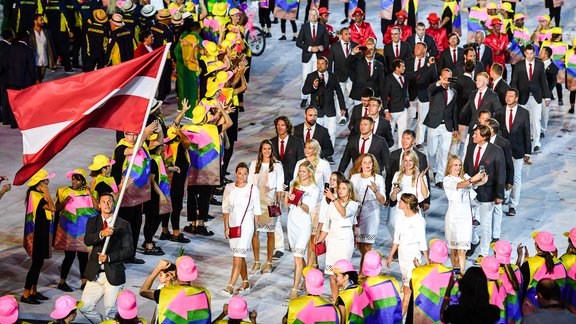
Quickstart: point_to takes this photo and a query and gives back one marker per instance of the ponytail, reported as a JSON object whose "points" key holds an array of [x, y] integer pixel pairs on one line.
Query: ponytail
{"points": [[511, 276], [549, 261]]}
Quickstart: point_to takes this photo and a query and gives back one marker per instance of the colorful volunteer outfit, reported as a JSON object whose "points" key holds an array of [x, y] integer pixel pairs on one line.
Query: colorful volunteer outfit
{"points": [[496, 291], [352, 297], [451, 10], [511, 280], [187, 68], [237, 310], [569, 261], [383, 292]]}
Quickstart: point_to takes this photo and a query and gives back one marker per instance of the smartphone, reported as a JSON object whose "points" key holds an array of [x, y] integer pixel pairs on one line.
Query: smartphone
{"points": [[482, 169], [326, 186], [362, 48]]}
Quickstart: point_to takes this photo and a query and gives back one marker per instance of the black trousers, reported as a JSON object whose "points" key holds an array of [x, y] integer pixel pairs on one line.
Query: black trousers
{"points": [[572, 97], [151, 225], [33, 273], [76, 46], [93, 61], [69, 257], [198, 202], [283, 26], [177, 197], [165, 81], [555, 14], [559, 91], [264, 17], [133, 215], [63, 48]]}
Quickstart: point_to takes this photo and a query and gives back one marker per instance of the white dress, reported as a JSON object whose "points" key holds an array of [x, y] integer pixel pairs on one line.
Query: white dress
{"points": [[321, 176], [405, 187], [369, 219], [410, 235], [268, 183], [458, 222], [234, 203], [340, 238], [300, 223]]}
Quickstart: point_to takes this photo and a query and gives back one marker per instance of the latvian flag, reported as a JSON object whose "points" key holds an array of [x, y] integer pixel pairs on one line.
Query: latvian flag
{"points": [[51, 114]]}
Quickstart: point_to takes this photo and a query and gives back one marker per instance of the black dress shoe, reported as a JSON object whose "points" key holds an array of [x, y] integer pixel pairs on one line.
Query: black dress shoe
{"points": [[202, 230], [278, 254], [165, 236], [494, 240], [215, 202], [190, 229], [293, 38], [537, 150], [154, 251], [511, 211], [218, 191], [275, 21], [345, 21], [282, 38], [560, 102], [134, 260], [473, 247], [82, 286], [64, 287], [303, 103], [180, 239], [29, 300], [39, 296], [439, 185], [209, 217], [571, 110]]}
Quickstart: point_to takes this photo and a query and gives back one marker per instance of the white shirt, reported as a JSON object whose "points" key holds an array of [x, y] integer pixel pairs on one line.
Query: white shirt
{"points": [[481, 51], [375, 125], [493, 139], [149, 48], [41, 49], [344, 47], [367, 145], [514, 110], [399, 44], [478, 96], [547, 63], [370, 65], [325, 74], [419, 39], [280, 144], [397, 77], [422, 62], [481, 153], [312, 129], [452, 50], [528, 68], [448, 90]]}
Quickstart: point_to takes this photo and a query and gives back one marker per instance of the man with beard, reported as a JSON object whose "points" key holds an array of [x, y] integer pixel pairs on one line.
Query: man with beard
{"points": [[310, 129]]}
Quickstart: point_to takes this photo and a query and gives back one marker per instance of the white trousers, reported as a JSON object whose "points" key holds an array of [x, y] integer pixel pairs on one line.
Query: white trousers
{"points": [[330, 124], [439, 140], [400, 119], [545, 117], [307, 68], [93, 292], [483, 212], [279, 235], [346, 87], [535, 120], [422, 108], [517, 186]]}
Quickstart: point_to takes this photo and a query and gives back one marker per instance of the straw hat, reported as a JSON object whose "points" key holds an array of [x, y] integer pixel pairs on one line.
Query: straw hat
{"points": [[148, 11], [163, 14], [177, 18], [117, 20], [128, 6], [100, 16], [40, 176]]}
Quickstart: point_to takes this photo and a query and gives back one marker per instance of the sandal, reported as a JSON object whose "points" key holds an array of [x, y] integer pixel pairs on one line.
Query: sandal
{"points": [[227, 291], [292, 295], [242, 290], [266, 268], [255, 269]]}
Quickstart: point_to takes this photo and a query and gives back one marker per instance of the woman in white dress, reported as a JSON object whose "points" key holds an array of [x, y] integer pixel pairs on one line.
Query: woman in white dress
{"points": [[410, 241], [370, 191], [338, 228], [240, 206], [335, 178], [322, 170], [268, 175], [299, 221], [407, 180], [459, 189]]}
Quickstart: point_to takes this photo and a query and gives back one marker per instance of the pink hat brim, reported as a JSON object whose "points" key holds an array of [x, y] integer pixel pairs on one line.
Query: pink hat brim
{"points": [[60, 313], [546, 247], [12, 318], [438, 258], [317, 291], [128, 313], [492, 275]]}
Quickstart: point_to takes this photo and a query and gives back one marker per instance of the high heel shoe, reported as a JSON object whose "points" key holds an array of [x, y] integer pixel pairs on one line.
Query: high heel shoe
{"points": [[243, 290], [228, 291], [292, 295], [255, 269], [266, 268]]}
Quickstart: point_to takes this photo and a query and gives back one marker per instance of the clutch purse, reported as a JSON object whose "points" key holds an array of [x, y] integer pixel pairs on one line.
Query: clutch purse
{"points": [[274, 211], [320, 248], [235, 232], [297, 196]]}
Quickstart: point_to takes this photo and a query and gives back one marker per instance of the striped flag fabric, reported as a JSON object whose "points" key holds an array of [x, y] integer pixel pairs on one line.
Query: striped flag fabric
{"points": [[51, 114]]}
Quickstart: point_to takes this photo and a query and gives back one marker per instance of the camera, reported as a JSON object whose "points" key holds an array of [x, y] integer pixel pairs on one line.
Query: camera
{"points": [[452, 79]]}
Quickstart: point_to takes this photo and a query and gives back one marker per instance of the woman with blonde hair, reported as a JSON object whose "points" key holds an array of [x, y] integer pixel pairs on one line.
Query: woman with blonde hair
{"points": [[370, 191], [459, 189], [300, 201], [312, 151]]}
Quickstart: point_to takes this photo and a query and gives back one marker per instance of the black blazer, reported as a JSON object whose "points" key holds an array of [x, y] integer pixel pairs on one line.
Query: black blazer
{"points": [[445, 60], [294, 152], [421, 79], [354, 123], [395, 159], [337, 60], [489, 102], [323, 97], [538, 87], [551, 75], [321, 135], [464, 86], [361, 79], [504, 144], [378, 148], [501, 88], [21, 66], [395, 96], [519, 137], [440, 112], [304, 40], [384, 130], [431, 47], [487, 59], [390, 55], [119, 249], [495, 166], [4, 49], [459, 69]]}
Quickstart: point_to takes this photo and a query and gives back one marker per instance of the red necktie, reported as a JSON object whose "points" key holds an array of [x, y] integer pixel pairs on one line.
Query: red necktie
{"points": [[347, 49], [419, 64], [365, 111], [105, 224], [363, 145], [479, 100], [313, 33], [322, 76], [454, 56], [477, 161], [370, 68], [401, 81], [478, 53], [446, 95], [510, 120], [308, 134], [530, 72], [397, 51], [282, 150]]}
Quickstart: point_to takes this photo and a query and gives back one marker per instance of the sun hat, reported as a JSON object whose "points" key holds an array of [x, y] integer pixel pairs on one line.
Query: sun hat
{"points": [[100, 16], [163, 14], [571, 235], [544, 240], [237, 308], [40, 176], [148, 11], [127, 307], [177, 18], [128, 6], [402, 13], [223, 76], [185, 266], [63, 306], [491, 267], [155, 105], [433, 18], [438, 251], [8, 309], [502, 251], [343, 266], [117, 20], [77, 171], [491, 5], [372, 263], [234, 11], [544, 17], [519, 16], [99, 161], [357, 11], [210, 47], [314, 281], [506, 6], [198, 114], [219, 9], [556, 30]]}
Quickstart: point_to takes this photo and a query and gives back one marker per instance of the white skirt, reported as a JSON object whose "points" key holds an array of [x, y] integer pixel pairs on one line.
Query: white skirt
{"points": [[241, 245], [338, 248], [299, 230], [458, 226], [406, 255], [369, 222]]}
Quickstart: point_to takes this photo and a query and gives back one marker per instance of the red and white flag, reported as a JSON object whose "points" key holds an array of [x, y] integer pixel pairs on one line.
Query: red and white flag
{"points": [[51, 114]]}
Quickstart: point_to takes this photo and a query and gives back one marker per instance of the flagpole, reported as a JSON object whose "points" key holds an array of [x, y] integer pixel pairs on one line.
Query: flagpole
{"points": [[137, 145]]}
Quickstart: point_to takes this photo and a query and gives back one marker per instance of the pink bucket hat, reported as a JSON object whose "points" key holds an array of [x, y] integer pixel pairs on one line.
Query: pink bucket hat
{"points": [[8, 309], [502, 251], [372, 263], [314, 282], [63, 306], [342, 266], [571, 235], [544, 240], [186, 269], [237, 308], [127, 307], [491, 267], [438, 251]]}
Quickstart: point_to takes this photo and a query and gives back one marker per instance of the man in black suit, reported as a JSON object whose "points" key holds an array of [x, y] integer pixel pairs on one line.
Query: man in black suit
{"points": [[288, 150], [397, 50], [499, 85], [515, 122], [381, 125], [529, 77], [469, 55], [551, 77], [105, 271], [366, 72], [322, 87], [312, 39], [483, 52], [5, 44], [421, 72], [483, 155], [337, 56], [453, 55], [464, 87], [366, 142], [21, 69], [483, 98], [406, 145], [359, 111], [310, 129], [421, 37], [395, 97], [442, 123]]}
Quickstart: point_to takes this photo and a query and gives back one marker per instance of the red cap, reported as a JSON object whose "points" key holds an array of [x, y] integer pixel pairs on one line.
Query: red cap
{"points": [[323, 11], [433, 18], [358, 11], [402, 13], [496, 21]]}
